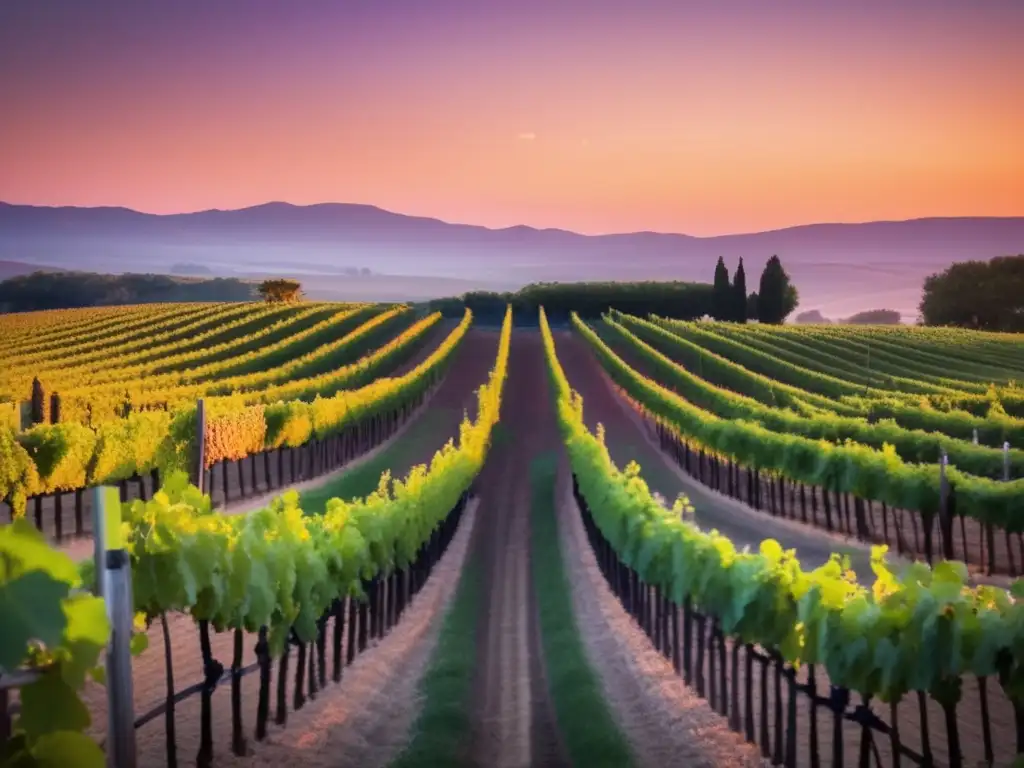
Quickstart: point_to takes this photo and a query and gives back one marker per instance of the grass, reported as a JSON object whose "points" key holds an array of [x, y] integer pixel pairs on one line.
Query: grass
{"points": [[441, 730], [400, 456], [445, 720], [590, 733]]}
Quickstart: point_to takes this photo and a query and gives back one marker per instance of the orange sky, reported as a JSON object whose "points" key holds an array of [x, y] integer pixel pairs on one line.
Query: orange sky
{"points": [[597, 117]]}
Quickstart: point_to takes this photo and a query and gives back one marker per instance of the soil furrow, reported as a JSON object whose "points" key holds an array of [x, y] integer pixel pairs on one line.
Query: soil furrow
{"points": [[666, 722], [514, 720]]}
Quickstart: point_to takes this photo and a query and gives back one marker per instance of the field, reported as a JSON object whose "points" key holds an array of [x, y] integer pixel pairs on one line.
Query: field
{"points": [[423, 542]]}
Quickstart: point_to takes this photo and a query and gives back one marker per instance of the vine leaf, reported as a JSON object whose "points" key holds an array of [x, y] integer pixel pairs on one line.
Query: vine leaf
{"points": [[30, 610], [68, 750], [50, 705]]}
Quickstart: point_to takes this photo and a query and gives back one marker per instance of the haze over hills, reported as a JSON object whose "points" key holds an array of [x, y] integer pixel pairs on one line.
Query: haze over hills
{"points": [[14, 268], [838, 268]]}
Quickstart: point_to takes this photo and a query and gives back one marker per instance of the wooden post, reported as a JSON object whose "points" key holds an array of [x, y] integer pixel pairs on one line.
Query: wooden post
{"points": [[945, 514], [1006, 462], [200, 445]]}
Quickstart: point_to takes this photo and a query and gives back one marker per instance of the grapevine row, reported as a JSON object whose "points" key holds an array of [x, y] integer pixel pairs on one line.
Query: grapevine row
{"points": [[34, 331], [57, 371], [322, 556], [210, 358], [139, 333], [93, 405], [993, 429], [876, 475], [255, 352], [896, 360], [911, 445], [276, 570], [979, 400], [70, 455], [797, 346], [922, 632], [971, 353]]}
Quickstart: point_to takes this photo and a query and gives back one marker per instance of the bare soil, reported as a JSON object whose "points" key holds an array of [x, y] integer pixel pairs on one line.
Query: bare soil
{"points": [[514, 719], [666, 722], [364, 721]]}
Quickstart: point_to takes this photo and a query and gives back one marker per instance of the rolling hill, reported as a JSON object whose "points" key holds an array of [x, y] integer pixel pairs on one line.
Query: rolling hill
{"points": [[839, 268]]}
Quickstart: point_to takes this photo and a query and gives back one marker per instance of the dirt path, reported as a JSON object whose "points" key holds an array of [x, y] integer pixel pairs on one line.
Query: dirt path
{"points": [[456, 393], [627, 440], [666, 722], [364, 721], [514, 719]]}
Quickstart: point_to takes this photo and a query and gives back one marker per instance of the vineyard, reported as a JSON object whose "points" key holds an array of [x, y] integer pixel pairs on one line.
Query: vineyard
{"points": [[366, 535]]}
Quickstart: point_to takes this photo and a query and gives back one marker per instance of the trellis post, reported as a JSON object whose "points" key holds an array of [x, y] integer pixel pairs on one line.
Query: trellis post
{"points": [[201, 445], [114, 584]]}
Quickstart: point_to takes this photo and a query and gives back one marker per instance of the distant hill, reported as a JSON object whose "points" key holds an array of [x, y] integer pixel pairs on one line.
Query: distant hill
{"points": [[16, 268], [811, 317], [841, 268]]}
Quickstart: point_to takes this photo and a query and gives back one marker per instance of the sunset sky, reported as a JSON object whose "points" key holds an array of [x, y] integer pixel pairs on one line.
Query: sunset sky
{"points": [[599, 116]]}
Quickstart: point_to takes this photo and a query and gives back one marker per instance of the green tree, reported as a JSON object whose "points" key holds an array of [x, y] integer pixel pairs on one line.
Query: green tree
{"points": [[280, 290], [739, 295], [977, 294], [722, 297], [777, 297]]}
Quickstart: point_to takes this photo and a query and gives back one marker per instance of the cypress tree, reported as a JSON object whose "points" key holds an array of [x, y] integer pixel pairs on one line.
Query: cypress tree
{"points": [[739, 294], [722, 295], [38, 408]]}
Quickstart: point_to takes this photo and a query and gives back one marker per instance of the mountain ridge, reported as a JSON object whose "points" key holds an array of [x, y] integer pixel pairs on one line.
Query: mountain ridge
{"points": [[281, 205]]}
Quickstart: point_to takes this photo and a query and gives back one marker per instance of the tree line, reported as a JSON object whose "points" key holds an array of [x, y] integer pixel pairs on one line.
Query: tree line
{"points": [[774, 300], [986, 295], [66, 290], [723, 300], [680, 300]]}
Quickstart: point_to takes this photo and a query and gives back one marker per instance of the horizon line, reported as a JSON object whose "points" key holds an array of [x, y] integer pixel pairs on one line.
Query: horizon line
{"points": [[506, 228]]}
